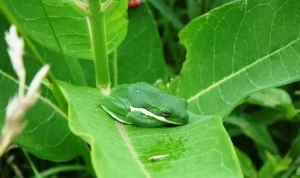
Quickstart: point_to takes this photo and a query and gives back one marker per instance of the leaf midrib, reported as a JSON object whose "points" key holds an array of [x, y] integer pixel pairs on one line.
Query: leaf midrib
{"points": [[131, 149]]}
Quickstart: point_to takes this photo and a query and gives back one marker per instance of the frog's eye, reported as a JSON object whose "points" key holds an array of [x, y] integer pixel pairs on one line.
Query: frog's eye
{"points": [[165, 113]]}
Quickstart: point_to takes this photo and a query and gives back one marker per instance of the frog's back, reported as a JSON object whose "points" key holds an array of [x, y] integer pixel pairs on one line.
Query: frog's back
{"points": [[143, 94], [135, 91]]}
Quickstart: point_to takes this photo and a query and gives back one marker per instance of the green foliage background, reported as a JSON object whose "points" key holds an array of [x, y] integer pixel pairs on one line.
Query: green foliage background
{"points": [[223, 62]]}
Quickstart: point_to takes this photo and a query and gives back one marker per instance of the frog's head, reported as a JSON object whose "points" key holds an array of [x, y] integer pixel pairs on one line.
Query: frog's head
{"points": [[171, 110]]}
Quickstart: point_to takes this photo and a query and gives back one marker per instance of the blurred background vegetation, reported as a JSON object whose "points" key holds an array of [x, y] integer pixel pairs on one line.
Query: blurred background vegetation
{"points": [[264, 127]]}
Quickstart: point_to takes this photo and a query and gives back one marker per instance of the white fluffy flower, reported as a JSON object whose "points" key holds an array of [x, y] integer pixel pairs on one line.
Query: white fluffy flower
{"points": [[16, 51], [21, 103]]}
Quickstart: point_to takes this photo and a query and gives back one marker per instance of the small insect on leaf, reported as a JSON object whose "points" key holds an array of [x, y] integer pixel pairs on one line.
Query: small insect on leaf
{"points": [[135, 3], [158, 157]]}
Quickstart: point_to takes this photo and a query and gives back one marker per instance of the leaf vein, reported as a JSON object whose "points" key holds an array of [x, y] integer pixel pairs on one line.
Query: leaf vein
{"points": [[197, 95]]}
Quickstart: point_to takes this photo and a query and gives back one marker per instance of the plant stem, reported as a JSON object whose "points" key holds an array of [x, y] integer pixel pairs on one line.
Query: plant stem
{"points": [[96, 22], [36, 172], [64, 168], [115, 54]]}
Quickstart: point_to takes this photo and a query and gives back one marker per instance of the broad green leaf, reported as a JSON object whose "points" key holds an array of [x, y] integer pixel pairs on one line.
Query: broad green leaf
{"points": [[233, 51], [201, 148], [76, 71], [140, 56], [258, 133], [47, 134], [89, 72], [49, 20], [247, 166], [4, 26], [63, 67], [274, 98], [218, 3]]}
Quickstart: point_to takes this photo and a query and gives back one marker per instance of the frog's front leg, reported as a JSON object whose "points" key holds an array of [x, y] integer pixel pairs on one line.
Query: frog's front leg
{"points": [[140, 119]]}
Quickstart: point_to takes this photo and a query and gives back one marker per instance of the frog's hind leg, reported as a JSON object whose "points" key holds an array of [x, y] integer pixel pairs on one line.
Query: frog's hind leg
{"points": [[139, 119], [115, 115], [117, 109]]}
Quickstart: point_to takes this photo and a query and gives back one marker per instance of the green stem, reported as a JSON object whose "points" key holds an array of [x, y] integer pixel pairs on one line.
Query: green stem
{"points": [[34, 169], [96, 22], [59, 169], [115, 54]]}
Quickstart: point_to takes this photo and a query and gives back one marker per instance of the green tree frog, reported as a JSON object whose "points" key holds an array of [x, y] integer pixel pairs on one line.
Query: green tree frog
{"points": [[145, 105]]}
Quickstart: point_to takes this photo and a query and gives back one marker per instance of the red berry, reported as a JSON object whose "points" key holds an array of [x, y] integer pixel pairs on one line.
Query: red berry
{"points": [[135, 3]]}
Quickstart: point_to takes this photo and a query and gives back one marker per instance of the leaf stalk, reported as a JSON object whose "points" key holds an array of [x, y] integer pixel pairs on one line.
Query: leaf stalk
{"points": [[97, 31]]}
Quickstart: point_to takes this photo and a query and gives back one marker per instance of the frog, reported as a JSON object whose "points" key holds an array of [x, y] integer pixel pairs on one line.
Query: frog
{"points": [[144, 105]]}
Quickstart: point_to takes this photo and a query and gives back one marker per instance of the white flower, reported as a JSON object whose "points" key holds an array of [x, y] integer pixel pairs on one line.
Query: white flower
{"points": [[33, 90], [21, 103], [16, 51]]}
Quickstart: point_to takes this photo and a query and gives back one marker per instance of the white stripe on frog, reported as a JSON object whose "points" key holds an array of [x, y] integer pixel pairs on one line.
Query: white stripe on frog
{"points": [[147, 113]]}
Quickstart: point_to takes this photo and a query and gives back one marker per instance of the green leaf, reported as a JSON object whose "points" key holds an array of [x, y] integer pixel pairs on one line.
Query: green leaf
{"points": [[274, 165], [295, 147], [274, 98], [258, 133], [140, 56], [50, 22], [201, 148], [167, 13], [247, 166], [75, 70], [270, 116], [266, 170], [298, 171], [193, 9], [232, 130], [47, 134], [218, 3], [62, 66], [233, 51]]}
